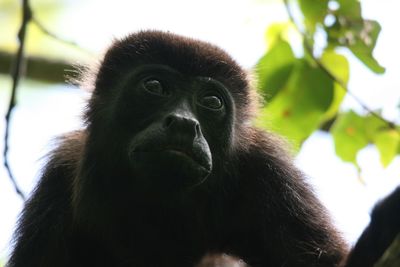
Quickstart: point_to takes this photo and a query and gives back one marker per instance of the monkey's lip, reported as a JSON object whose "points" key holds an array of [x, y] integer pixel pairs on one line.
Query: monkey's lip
{"points": [[179, 152], [188, 155]]}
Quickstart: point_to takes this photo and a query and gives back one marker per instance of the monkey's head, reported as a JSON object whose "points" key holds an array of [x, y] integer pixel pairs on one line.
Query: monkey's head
{"points": [[172, 108]]}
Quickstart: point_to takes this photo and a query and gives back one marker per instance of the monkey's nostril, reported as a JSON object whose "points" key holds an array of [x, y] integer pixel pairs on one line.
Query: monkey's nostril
{"points": [[168, 121]]}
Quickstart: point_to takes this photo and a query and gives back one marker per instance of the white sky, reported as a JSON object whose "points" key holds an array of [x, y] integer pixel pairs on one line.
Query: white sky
{"points": [[238, 27]]}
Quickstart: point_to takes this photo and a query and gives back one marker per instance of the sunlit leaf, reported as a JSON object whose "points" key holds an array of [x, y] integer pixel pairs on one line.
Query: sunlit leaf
{"points": [[349, 8], [365, 44], [297, 110], [314, 12], [277, 33], [337, 64], [374, 125], [273, 70], [387, 143], [387, 140], [353, 31], [359, 35], [349, 136], [339, 67]]}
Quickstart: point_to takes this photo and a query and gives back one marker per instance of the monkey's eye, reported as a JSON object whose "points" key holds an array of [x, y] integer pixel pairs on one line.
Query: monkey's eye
{"points": [[155, 87], [211, 102]]}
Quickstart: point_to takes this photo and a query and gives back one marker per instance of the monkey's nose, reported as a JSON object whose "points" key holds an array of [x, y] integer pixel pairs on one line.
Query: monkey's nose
{"points": [[178, 124]]}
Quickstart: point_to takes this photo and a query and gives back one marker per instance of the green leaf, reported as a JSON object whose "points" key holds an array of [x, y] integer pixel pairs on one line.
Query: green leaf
{"points": [[358, 35], [339, 67], [277, 33], [387, 140], [349, 136], [373, 126], [274, 69], [314, 12], [349, 8], [297, 110], [365, 43], [353, 31], [336, 64], [352, 132], [387, 143]]}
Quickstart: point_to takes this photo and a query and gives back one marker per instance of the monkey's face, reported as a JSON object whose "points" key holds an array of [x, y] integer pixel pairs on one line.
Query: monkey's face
{"points": [[179, 126]]}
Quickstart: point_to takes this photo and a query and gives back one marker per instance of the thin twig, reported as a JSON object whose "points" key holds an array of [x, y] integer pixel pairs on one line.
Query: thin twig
{"points": [[318, 62], [16, 75], [51, 34]]}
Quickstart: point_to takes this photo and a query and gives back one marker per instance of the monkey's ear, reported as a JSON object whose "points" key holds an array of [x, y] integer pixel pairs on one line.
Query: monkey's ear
{"points": [[221, 260]]}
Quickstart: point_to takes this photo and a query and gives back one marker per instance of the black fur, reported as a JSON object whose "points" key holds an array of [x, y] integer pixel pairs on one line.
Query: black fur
{"points": [[255, 205]]}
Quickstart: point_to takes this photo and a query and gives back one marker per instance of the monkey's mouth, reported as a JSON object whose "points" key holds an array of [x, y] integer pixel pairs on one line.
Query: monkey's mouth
{"points": [[184, 154], [180, 152], [173, 159], [179, 155]]}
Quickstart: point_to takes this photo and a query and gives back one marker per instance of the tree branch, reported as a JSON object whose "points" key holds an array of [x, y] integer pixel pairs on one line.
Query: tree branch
{"points": [[16, 74], [51, 34]]}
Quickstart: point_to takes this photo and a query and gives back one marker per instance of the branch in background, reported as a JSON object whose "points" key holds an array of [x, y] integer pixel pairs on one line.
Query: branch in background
{"points": [[39, 68], [16, 75], [318, 62], [51, 34]]}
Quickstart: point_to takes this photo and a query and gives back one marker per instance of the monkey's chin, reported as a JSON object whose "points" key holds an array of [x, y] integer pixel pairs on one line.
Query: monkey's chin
{"points": [[170, 169]]}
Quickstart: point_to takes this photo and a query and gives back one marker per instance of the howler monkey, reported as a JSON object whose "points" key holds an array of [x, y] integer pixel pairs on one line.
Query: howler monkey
{"points": [[169, 169]]}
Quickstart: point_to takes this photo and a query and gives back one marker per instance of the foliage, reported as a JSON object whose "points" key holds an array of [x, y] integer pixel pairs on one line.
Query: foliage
{"points": [[304, 92]]}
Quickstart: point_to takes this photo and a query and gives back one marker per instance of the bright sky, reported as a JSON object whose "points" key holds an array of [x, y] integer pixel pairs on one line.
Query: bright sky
{"points": [[238, 27]]}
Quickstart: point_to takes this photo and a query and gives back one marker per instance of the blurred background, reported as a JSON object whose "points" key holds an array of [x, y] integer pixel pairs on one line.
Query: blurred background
{"points": [[346, 139]]}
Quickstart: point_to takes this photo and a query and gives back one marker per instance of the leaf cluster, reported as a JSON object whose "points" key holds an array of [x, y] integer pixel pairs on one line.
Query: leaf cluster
{"points": [[304, 90]]}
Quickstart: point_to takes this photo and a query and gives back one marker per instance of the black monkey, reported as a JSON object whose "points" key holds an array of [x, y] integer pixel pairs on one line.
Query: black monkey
{"points": [[169, 169]]}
